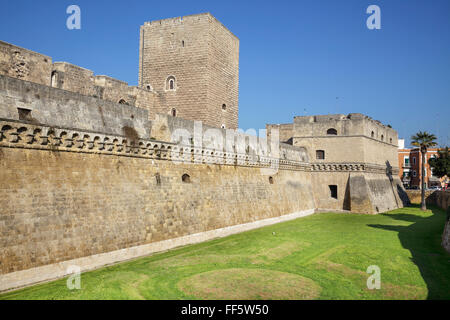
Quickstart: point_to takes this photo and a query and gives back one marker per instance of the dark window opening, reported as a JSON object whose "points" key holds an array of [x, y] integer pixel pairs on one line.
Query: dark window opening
{"points": [[24, 114], [158, 179], [170, 83], [382, 138], [174, 112], [332, 132], [271, 180], [224, 107], [372, 134], [320, 154], [333, 191], [182, 43], [186, 178], [122, 101], [54, 81]]}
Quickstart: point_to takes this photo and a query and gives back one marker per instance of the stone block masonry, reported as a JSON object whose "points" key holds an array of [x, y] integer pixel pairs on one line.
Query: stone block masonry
{"points": [[24, 64], [91, 176], [63, 203], [202, 57]]}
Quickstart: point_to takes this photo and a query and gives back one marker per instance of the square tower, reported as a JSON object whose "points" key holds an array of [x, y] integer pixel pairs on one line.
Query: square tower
{"points": [[192, 65]]}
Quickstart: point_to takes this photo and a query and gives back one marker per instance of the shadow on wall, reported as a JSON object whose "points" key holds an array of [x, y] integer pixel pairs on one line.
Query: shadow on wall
{"points": [[423, 239], [401, 192]]}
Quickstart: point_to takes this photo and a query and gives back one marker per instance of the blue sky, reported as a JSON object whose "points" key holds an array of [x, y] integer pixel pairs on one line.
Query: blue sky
{"points": [[296, 57]]}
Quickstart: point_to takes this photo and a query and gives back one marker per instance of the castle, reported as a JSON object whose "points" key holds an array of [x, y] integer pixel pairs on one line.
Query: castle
{"points": [[92, 174]]}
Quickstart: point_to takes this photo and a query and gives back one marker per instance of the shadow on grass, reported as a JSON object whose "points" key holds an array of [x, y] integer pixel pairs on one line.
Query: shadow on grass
{"points": [[423, 239]]}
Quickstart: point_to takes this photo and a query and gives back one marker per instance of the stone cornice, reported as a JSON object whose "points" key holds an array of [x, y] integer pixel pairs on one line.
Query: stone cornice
{"points": [[351, 167], [15, 134]]}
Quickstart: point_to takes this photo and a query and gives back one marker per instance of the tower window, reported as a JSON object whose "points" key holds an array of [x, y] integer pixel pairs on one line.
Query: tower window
{"points": [[320, 154], [333, 191], [54, 83], [186, 178], [332, 132], [382, 137], [182, 43], [224, 107], [372, 134], [170, 83], [173, 112]]}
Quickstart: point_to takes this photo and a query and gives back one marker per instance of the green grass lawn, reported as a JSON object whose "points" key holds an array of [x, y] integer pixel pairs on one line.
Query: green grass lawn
{"points": [[323, 256]]}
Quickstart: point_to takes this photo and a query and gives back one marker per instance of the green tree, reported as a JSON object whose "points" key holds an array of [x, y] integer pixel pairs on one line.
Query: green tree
{"points": [[423, 140], [441, 164]]}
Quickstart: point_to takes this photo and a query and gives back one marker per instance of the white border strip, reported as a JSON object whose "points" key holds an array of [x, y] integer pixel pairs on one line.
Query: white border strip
{"points": [[18, 279]]}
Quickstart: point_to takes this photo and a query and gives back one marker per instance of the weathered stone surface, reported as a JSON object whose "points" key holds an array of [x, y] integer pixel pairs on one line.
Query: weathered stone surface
{"points": [[58, 206], [203, 58], [89, 170], [24, 64]]}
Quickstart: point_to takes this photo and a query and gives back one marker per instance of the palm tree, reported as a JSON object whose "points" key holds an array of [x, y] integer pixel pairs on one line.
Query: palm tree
{"points": [[423, 140]]}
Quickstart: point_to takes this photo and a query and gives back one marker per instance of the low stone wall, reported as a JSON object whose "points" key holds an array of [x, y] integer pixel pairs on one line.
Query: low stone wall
{"points": [[446, 235], [440, 199], [415, 196], [437, 198]]}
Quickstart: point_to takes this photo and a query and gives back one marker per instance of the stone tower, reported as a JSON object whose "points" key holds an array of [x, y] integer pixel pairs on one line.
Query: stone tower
{"points": [[192, 65]]}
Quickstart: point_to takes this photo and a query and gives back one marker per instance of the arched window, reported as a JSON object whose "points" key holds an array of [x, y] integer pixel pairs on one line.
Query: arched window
{"points": [[224, 107], [149, 87], [332, 132], [372, 134], [173, 112], [170, 83], [186, 178], [271, 180], [382, 137], [320, 154]]}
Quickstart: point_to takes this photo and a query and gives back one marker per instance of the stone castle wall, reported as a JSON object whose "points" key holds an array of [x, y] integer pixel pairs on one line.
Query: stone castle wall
{"points": [[24, 64], [92, 174], [73, 194], [65, 109]]}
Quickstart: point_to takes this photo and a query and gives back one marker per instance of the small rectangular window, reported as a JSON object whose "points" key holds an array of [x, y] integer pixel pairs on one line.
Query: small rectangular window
{"points": [[320, 154], [24, 114], [333, 191]]}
